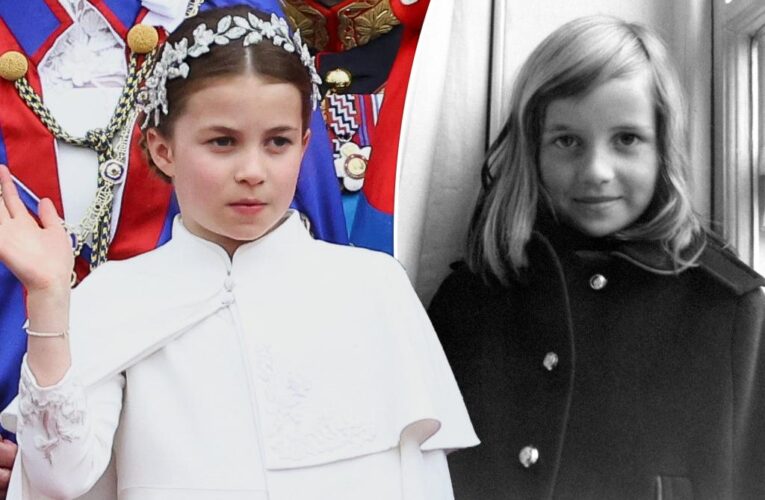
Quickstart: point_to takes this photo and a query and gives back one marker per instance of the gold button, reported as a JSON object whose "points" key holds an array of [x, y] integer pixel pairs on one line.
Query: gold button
{"points": [[13, 65], [528, 456], [598, 282], [550, 361], [338, 79], [142, 38]]}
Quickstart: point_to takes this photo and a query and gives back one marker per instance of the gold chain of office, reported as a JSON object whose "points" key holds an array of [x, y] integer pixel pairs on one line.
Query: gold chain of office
{"points": [[142, 40], [100, 140]]}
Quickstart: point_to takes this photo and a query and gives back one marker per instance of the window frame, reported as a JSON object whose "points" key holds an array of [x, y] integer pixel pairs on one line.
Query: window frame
{"points": [[735, 188]]}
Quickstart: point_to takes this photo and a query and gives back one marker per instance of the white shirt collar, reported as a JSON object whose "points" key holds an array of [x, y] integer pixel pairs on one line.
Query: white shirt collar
{"points": [[166, 13]]}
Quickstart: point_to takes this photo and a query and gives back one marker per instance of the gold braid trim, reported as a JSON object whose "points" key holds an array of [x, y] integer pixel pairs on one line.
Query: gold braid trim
{"points": [[99, 214], [363, 21], [359, 22], [311, 23]]}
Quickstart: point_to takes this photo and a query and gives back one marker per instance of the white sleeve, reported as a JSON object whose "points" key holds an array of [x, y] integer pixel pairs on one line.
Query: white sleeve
{"points": [[65, 432]]}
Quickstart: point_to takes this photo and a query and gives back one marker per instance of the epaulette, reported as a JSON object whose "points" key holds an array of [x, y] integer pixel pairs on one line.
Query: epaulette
{"points": [[726, 268]]}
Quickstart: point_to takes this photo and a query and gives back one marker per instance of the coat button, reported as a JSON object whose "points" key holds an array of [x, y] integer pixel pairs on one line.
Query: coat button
{"points": [[528, 456], [228, 283], [598, 282], [550, 361]]}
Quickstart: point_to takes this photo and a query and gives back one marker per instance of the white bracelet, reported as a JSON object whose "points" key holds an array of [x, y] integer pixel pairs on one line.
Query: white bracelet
{"points": [[33, 333]]}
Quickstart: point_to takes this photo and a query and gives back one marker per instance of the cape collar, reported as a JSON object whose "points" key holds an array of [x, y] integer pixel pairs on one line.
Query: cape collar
{"points": [[288, 236]]}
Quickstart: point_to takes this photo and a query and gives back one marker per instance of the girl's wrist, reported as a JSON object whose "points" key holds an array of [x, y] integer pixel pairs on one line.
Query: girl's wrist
{"points": [[58, 295], [48, 357], [48, 310], [53, 290]]}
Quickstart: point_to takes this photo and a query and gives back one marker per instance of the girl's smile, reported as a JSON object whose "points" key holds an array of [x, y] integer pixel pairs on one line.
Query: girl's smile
{"points": [[598, 157]]}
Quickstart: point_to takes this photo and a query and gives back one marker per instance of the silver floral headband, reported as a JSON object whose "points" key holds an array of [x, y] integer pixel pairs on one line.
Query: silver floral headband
{"points": [[152, 99]]}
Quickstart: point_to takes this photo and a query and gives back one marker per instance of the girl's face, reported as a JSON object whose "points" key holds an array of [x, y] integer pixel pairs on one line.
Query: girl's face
{"points": [[234, 157], [598, 157]]}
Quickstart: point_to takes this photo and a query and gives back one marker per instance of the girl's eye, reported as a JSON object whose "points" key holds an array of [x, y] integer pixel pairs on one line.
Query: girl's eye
{"points": [[627, 139], [222, 142], [566, 141], [280, 142]]}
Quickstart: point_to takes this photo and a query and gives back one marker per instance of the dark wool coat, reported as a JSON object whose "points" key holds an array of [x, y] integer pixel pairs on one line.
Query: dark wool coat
{"points": [[616, 377]]}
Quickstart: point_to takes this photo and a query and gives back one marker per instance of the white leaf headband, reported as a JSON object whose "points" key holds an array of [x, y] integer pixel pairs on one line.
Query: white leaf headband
{"points": [[152, 99]]}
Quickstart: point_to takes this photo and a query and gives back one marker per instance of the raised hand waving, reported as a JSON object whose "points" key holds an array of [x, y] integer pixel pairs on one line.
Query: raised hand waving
{"points": [[38, 254]]}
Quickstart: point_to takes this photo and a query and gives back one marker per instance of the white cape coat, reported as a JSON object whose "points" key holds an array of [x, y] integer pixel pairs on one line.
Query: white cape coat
{"points": [[373, 369]]}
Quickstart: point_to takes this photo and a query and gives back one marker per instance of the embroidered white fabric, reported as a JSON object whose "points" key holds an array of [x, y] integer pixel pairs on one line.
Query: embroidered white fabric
{"points": [[56, 413], [88, 54], [301, 429]]}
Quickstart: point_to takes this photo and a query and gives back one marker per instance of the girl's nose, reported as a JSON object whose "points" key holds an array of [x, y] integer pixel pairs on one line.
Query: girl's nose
{"points": [[597, 166], [251, 169]]}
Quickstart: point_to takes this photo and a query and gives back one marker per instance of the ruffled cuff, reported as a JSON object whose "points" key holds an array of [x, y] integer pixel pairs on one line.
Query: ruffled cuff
{"points": [[51, 415]]}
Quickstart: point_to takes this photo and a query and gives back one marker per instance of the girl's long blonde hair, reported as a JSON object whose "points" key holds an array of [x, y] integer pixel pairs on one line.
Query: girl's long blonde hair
{"points": [[573, 60]]}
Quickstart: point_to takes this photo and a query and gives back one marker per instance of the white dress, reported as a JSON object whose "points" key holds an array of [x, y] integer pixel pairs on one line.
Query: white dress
{"points": [[258, 377]]}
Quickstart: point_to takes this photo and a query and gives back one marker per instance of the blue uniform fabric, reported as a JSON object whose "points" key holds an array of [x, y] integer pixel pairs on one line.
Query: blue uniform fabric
{"points": [[31, 23]]}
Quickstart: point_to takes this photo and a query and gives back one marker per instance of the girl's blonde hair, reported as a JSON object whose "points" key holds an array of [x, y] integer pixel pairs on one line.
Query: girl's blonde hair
{"points": [[572, 61]]}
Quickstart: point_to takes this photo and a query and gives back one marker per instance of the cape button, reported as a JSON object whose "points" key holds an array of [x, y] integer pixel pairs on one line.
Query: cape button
{"points": [[528, 456], [598, 282], [227, 299], [142, 38], [228, 283], [13, 65]]}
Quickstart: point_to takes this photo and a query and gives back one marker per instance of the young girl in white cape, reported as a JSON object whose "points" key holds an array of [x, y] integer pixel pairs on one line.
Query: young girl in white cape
{"points": [[235, 362]]}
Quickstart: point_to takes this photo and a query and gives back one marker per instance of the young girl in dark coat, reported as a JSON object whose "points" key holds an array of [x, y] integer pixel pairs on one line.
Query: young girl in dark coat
{"points": [[606, 344]]}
